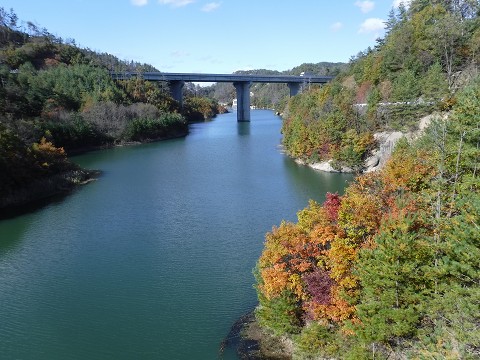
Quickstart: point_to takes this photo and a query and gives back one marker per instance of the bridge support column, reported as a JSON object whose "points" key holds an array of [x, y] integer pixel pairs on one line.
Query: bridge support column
{"points": [[294, 88], [176, 89], [243, 100]]}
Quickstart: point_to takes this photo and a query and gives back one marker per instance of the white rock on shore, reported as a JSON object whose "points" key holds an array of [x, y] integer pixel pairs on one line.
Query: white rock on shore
{"points": [[386, 141]]}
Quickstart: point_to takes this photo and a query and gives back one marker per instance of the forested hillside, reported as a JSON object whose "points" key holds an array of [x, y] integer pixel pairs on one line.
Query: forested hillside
{"points": [[390, 269], [429, 52], [57, 99]]}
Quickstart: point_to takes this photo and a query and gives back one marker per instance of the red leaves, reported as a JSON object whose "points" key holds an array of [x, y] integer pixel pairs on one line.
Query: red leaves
{"points": [[319, 284], [331, 206]]}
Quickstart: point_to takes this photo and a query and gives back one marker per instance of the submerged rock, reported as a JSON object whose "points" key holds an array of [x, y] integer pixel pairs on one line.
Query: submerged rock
{"points": [[252, 342]]}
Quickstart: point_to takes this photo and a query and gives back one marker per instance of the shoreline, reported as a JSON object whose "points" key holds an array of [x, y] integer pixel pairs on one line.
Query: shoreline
{"points": [[44, 191], [250, 341], [40, 193], [81, 151]]}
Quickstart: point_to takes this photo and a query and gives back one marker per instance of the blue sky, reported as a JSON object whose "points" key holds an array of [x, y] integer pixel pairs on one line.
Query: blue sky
{"points": [[214, 36]]}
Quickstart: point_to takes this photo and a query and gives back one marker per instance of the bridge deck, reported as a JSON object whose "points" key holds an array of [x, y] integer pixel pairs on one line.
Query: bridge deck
{"points": [[198, 77]]}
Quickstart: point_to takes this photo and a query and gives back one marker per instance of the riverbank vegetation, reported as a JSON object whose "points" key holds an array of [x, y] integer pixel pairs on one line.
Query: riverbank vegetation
{"points": [[390, 269], [57, 99], [429, 52]]}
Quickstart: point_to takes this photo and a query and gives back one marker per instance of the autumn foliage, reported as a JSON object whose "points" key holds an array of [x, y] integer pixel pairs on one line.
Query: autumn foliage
{"points": [[364, 266]]}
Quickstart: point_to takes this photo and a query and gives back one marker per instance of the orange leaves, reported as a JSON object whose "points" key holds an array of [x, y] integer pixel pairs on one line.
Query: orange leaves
{"points": [[297, 258], [47, 156], [279, 243], [316, 259], [337, 310], [275, 281], [323, 235]]}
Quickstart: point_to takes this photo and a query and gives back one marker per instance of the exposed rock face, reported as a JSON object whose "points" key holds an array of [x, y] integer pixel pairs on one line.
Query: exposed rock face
{"points": [[386, 141]]}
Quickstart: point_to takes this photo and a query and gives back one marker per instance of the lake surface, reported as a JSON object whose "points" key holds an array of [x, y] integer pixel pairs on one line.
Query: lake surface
{"points": [[154, 259]]}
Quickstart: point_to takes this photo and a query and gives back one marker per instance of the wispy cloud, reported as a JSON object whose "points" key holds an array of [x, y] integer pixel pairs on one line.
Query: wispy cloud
{"points": [[336, 26], [365, 6], [139, 2], [211, 6], [211, 60], [396, 3], [179, 54], [176, 3], [372, 25]]}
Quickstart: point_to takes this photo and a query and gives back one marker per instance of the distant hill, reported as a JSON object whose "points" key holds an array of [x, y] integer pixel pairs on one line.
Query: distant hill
{"points": [[271, 95]]}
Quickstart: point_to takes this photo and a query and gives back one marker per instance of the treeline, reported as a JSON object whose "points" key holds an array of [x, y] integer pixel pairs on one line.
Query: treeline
{"points": [[57, 98], [430, 50], [271, 96], [390, 269]]}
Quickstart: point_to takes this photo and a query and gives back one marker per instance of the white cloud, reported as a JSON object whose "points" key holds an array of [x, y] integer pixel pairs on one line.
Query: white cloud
{"points": [[365, 6], [396, 3], [176, 3], [211, 6], [336, 26], [139, 2], [372, 25]]}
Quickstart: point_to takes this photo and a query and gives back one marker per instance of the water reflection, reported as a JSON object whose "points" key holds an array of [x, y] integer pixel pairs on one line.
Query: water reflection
{"points": [[243, 128]]}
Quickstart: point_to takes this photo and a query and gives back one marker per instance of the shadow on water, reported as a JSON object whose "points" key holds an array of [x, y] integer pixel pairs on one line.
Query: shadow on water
{"points": [[32, 207], [236, 345], [41, 203], [320, 180], [11, 233]]}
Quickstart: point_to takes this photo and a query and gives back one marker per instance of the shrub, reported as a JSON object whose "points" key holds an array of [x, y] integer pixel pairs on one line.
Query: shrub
{"points": [[167, 125]]}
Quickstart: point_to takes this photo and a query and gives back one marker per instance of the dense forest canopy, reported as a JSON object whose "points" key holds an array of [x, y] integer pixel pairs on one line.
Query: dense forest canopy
{"points": [[57, 98], [429, 52], [391, 268]]}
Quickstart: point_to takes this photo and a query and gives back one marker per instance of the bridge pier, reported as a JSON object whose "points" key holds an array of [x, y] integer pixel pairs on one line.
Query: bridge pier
{"points": [[294, 88], [176, 89], [243, 100]]}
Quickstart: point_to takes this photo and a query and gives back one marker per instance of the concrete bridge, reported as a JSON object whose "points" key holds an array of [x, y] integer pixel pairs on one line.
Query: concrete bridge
{"points": [[242, 84]]}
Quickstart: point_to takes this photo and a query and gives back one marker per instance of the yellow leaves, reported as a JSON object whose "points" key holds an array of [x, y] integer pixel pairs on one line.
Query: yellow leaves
{"points": [[47, 146], [295, 284], [311, 215], [341, 258], [408, 170], [362, 208]]}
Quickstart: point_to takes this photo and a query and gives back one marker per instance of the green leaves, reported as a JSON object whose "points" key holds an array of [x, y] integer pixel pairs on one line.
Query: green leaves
{"points": [[143, 129], [281, 314], [394, 281]]}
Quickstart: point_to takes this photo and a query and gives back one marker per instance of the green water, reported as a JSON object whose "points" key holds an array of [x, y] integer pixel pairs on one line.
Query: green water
{"points": [[154, 260]]}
